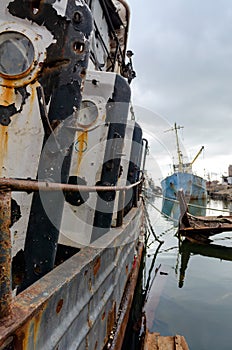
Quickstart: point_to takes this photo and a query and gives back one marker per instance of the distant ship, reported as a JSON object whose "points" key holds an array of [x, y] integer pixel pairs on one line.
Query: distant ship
{"points": [[150, 190], [194, 186]]}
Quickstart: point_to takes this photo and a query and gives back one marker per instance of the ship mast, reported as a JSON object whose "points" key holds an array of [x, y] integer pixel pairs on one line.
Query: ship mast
{"points": [[179, 154]]}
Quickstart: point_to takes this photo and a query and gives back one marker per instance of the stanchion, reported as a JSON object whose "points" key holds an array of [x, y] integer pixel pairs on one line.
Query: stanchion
{"points": [[5, 252]]}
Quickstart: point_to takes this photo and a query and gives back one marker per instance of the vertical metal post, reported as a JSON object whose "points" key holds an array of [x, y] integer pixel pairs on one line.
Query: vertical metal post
{"points": [[145, 154], [183, 219], [5, 252], [135, 195], [121, 204]]}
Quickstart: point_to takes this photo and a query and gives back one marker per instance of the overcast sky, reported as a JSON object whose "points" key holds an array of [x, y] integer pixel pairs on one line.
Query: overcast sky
{"points": [[183, 60]]}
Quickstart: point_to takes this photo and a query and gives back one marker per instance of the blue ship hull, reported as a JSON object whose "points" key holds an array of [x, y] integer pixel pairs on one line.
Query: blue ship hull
{"points": [[194, 186]]}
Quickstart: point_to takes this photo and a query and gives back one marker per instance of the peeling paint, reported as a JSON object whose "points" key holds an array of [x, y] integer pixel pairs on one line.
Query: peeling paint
{"points": [[60, 7], [60, 31], [12, 101]]}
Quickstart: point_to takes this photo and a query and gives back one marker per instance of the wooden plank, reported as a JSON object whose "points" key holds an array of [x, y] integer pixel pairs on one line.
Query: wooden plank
{"points": [[199, 228], [183, 221], [154, 341], [181, 343]]}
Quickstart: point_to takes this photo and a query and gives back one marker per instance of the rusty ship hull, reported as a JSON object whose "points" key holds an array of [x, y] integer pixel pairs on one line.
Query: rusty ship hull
{"points": [[71, 170]]}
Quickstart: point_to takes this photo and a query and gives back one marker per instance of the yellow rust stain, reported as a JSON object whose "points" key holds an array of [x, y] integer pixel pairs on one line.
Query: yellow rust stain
{"points": [[32, 99], [23, 336], [37, 322], [81, 146], [7, 95], [21, 340], [3, 145]]}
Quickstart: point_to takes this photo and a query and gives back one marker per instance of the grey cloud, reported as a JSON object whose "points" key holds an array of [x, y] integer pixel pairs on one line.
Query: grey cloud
{"points": [[183, 55]]}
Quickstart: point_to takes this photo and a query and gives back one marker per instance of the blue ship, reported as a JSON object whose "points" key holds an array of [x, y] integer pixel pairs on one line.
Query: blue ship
{"points": [[194, 186]]}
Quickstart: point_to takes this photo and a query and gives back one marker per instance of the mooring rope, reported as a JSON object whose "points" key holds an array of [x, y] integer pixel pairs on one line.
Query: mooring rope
{"points": [[189, 205], [150, 225], [159, 211]]}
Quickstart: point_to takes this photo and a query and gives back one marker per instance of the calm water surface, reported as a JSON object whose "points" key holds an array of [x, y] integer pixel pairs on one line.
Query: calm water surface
{"points": [[188, 286]]}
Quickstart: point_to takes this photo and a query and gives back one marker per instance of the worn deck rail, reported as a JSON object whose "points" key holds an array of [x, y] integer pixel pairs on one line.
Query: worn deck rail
{"points": [[7, 185]]}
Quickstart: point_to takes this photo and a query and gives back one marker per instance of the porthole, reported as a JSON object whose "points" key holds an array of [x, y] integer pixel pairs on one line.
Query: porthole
{"points": [[16, 54]]}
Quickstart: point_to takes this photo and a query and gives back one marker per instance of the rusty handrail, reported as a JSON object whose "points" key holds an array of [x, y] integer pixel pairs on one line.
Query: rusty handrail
{"points": [[8, 185], [34, 185], [5, 253]]}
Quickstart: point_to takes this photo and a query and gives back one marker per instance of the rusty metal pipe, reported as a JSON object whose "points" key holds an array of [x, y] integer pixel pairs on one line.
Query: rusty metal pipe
{"points": [[5, 252], [29, 185]]}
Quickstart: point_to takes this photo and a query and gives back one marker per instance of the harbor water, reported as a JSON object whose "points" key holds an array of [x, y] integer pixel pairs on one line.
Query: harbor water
{"points": [[185, 288]]}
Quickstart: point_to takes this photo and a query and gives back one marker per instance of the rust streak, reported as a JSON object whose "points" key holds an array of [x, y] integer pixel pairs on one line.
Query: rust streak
{"points": [[82, 140], [37, 321], [59, 306], [5, 253], [7, 98], [3, 145], [22, 338], [32, 99], [126, 303], [29, 331], [97, 265], [111, 319]]}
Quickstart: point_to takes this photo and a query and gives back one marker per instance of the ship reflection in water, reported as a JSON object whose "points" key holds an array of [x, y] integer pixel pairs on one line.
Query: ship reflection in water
{"points": [[188, 249], [185, 287], [171, 208]]}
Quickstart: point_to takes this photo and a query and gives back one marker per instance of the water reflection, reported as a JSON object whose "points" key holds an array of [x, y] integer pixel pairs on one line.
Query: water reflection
{"points": [[227, 205], [202, 309], [137, 323], [171, 208], [188, 248]]}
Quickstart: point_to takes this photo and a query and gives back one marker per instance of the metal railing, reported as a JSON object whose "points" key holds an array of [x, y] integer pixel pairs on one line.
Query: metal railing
{"points": [[7, 185]]}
